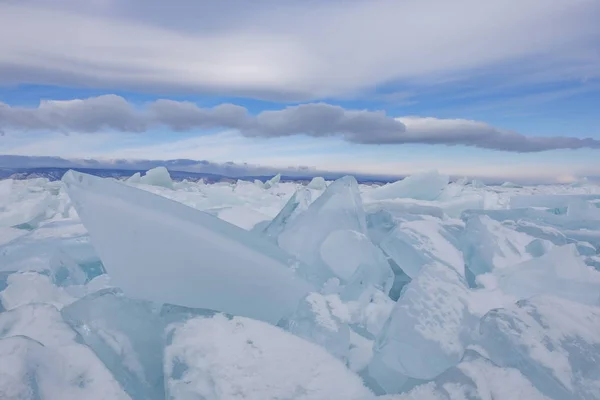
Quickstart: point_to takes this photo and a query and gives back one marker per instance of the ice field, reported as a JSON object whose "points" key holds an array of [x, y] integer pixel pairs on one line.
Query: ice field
{"points": [[422, 289]]}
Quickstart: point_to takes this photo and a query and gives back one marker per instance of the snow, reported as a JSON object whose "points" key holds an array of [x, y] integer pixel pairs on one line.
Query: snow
{"points": [[239, 358], [150, 288]]}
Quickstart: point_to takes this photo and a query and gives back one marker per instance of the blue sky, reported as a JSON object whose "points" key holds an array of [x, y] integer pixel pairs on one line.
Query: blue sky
{"points": [[505, 90]]}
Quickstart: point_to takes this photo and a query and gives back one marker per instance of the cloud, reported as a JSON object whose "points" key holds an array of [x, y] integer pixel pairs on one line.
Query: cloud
{"points": [[80, 115], [291, 50], [479, 134], [185, 116], [111, 112], [321, 119]]}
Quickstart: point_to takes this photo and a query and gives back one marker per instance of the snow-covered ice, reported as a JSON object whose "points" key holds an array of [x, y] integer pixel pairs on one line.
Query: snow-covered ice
{"points": [[422, 289]]}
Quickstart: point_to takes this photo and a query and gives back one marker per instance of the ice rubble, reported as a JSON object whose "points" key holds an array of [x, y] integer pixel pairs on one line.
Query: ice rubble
{"points": [[421, 289]]}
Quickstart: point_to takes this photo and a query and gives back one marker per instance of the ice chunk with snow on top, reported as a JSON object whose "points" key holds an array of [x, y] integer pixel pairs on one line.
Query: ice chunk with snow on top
{"points": [[43, 353], [561, 272], [425, 186], [31, 371], [160, 250], [474, 378], [31, 287], [220, 358], [317, 183], [414, 244], [26, 209], [487, 244], [322, 320], [127, 335], [426, 330], [296, 205], [338, 208], [553, 342], [549, 201], [538, 230]]}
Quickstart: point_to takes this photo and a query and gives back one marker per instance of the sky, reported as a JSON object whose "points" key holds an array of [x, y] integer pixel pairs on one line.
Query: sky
{"points": [[495, 89]]}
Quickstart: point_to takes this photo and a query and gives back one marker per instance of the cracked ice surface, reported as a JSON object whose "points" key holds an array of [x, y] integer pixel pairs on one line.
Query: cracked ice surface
{"points": [[422, 289]]}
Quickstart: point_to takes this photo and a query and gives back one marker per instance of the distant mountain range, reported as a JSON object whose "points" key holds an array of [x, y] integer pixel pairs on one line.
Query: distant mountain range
{"points": [[53, 168]]}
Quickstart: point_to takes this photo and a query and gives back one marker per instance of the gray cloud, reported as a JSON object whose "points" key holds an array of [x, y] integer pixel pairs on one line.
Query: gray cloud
{"points": [[86, 116], [322, 119], [184, 116], [111, 112]]}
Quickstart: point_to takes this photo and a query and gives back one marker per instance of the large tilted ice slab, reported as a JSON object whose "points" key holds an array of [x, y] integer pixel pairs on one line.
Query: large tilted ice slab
{"points": [[552, 341], [160, 250], [219, 358]]}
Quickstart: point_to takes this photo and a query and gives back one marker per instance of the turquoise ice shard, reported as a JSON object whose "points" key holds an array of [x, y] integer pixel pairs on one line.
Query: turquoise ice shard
{"points": [[297, 204], [158, 176], [157, 249], [126, 335], [272, 182], [338, 208], [356, 262]]}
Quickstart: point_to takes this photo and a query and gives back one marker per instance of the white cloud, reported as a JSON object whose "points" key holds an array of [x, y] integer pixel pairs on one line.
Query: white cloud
{"points": [[291, 49]]}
